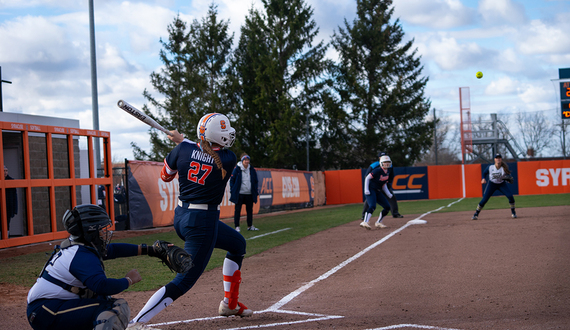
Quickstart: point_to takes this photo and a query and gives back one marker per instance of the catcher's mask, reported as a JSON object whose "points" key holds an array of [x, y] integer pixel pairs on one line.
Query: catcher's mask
{"points": [[89, 224]]}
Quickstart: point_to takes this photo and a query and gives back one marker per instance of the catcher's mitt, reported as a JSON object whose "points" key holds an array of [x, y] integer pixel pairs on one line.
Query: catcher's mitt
{"points": [[173, 256], [509, 178]]}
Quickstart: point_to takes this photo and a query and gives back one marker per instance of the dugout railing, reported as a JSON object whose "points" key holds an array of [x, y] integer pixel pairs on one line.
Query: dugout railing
{"points": [[53, 170]]}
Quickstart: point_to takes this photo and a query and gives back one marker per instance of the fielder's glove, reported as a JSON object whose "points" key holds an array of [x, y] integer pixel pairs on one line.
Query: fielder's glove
{"points": [[509, 178], [172, 256]]}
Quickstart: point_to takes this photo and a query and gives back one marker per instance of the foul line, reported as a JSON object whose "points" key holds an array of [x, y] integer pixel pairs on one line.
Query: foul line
{"points": [[417, 326], [307, 286], [273, 232], [276, 308]]}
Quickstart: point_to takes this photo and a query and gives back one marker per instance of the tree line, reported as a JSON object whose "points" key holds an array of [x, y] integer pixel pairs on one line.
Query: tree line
{"points": [[291, 106]]}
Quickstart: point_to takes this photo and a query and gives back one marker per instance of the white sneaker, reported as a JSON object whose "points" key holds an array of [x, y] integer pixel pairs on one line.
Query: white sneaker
{"points": [[365, 225], [240, 310], [237, 229], [252, 228], [380, 225]]}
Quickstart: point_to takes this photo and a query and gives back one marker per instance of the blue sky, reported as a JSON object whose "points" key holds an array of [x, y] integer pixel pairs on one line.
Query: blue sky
{"points": [[44, 51]]}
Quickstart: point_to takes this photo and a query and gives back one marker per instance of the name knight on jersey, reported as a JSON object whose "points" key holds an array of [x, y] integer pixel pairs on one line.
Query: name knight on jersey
{"points": [[203, 157]]}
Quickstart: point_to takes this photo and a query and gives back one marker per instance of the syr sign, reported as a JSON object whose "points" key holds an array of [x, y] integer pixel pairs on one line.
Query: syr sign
{"points": [[558, 176]]}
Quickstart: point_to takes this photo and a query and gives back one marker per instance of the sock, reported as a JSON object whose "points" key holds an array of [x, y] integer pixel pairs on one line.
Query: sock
{"points": [[232, 279], [382, 215], [159, 301], [367, 217], [479, 208]]}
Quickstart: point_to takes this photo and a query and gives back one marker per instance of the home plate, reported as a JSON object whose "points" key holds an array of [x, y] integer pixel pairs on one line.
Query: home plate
{"points": [[417, 222]]}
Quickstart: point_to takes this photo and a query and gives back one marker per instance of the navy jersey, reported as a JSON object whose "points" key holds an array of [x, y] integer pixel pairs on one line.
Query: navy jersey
{"points": [[377, 164], [200, 179], [379, 178]]}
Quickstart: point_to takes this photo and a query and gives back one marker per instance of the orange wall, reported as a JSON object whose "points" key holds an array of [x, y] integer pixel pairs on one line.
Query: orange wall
{"points": [[444, 181], [544, 177], [343, 186], [473, 181]]}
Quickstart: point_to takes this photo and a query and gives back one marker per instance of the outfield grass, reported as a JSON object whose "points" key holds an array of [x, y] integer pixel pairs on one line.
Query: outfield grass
{"points": [[23, 270]]}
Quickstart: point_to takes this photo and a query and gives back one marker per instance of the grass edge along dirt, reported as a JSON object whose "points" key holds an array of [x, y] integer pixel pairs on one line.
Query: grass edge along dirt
{"points": [[23, 270]]}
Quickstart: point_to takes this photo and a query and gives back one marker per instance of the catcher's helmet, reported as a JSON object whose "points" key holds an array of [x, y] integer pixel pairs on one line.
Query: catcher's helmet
{"points": [[216, 128], [84, 224], [385, 160]]}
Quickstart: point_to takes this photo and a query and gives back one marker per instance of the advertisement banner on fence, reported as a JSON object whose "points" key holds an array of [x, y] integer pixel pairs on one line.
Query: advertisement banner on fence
{"points": [[152, 201], [410, 183], [544, 177]]}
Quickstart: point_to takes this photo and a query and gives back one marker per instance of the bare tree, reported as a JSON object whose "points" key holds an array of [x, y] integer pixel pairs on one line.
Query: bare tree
{"points": [[448, 139], [562, 131], [536, 131]]}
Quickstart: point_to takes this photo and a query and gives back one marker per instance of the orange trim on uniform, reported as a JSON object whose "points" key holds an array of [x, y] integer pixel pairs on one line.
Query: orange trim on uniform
{"points": [[168, 169], [165, 176]]}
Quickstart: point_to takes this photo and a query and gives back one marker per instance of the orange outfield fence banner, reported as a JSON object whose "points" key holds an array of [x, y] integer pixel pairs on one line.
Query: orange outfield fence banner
{"points": [[544, 177], [444, 181], [51, 170], [152, 201], [473, 187], [344, 186]]}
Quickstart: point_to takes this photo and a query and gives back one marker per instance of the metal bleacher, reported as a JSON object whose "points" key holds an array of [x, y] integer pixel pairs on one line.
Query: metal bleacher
{"points": [[494, 134]]}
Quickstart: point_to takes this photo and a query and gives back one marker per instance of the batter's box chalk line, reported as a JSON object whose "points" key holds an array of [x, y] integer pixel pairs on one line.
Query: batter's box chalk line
{"points": [[276, 308], [415, 326]]}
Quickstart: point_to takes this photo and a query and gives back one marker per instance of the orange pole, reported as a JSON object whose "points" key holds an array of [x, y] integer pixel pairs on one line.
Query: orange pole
{"points": [[3, 207], [28, 178], [71, 158]]}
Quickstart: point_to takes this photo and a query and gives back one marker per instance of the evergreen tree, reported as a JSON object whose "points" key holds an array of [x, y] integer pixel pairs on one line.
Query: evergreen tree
{"points": [[278, 72], [379, 86], [193, 82]]}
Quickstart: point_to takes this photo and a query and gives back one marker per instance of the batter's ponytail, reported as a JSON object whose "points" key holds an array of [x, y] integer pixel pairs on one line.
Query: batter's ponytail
{"points": [[208, 149]]}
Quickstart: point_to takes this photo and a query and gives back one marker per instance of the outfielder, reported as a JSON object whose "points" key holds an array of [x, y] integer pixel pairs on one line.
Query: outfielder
{"points": [[203, 172], [72, 291], [499, 174], [373, 183]]}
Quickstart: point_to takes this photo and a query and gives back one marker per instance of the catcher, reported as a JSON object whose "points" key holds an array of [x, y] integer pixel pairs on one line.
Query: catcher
{"points": [[73, 292], [499, 175]]}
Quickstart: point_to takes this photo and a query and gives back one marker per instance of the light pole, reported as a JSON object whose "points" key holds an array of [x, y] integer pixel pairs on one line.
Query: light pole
{"points": [[2, 81], [94, 100]]}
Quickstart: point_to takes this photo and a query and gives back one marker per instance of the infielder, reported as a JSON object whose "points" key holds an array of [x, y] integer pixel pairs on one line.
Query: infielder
{"points": [[203, 170], [498, 174], [373, 183]]}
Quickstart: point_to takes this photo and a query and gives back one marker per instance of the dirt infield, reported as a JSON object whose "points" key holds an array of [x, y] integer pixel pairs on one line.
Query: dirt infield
{"points": [[451, 273]]}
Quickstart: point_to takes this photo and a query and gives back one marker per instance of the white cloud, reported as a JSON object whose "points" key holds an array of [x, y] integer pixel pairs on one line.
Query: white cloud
{"points": [[449, 54], [34, 39], [501, 12], [501, 86], [434, 13], [543, 38], [531, 94]]}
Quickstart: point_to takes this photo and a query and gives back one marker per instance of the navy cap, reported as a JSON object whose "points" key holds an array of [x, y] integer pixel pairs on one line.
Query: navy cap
{"points": [[498, 156], [381, 153]]}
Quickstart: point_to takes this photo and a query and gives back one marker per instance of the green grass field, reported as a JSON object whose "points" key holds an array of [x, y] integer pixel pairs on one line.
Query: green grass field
{"points": [[23, 270]]}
